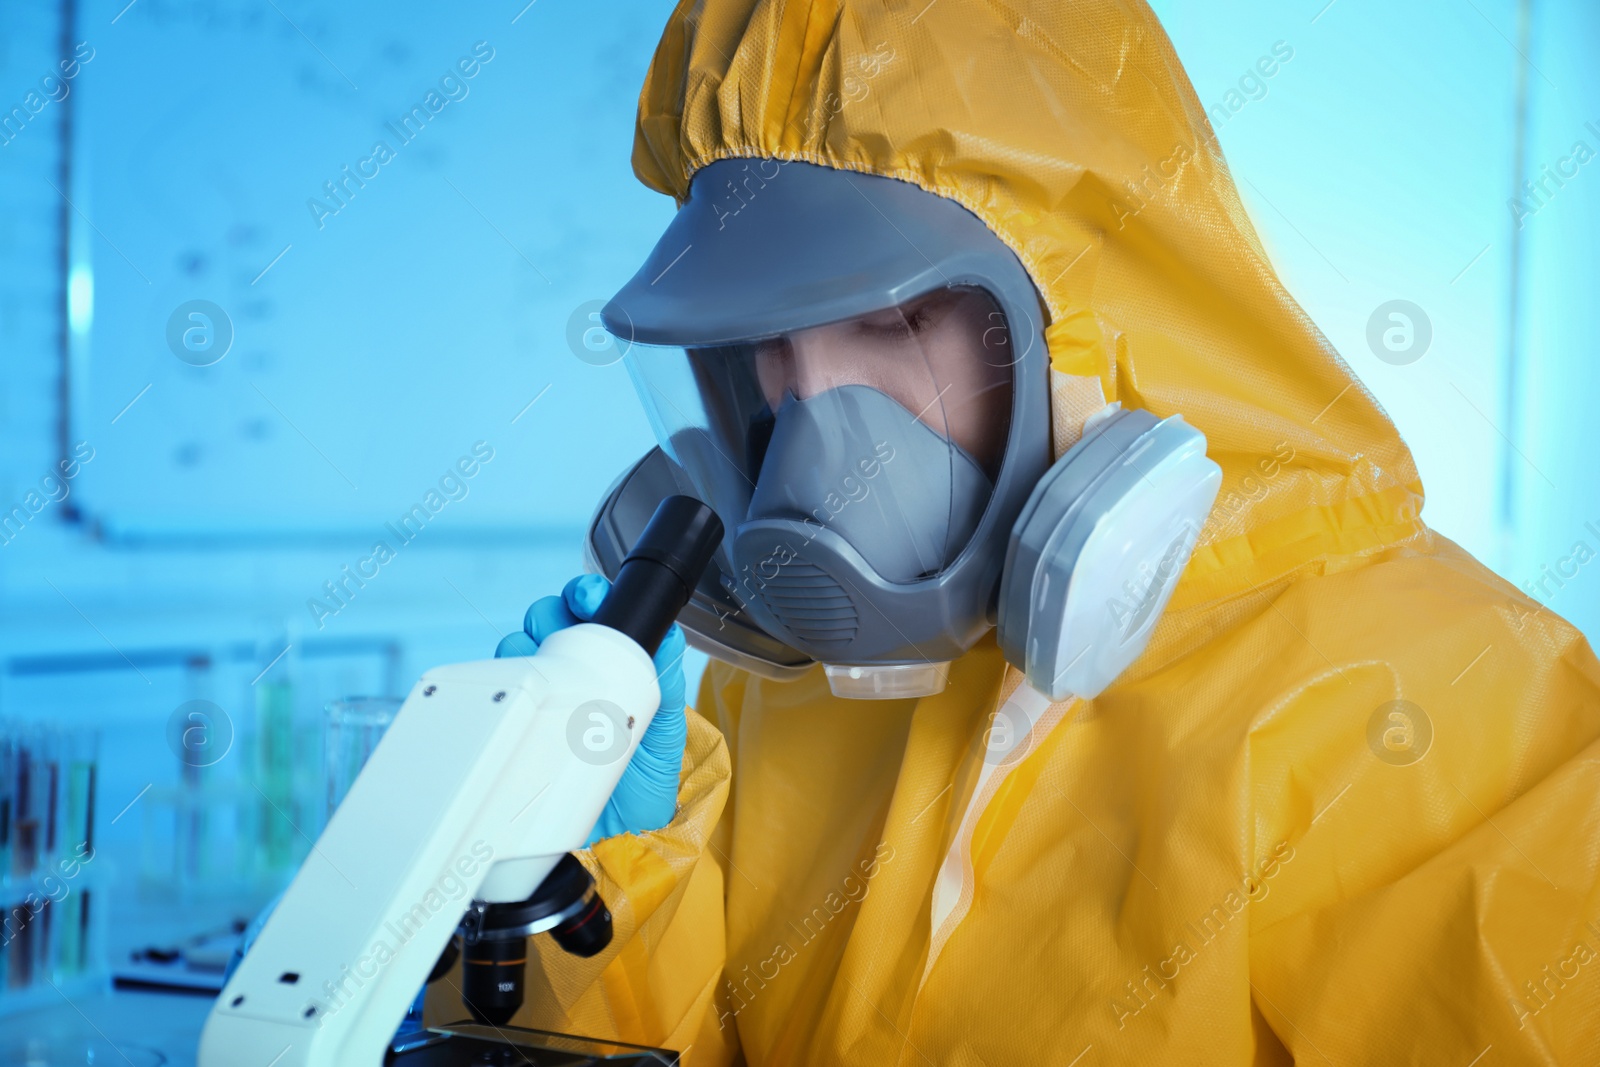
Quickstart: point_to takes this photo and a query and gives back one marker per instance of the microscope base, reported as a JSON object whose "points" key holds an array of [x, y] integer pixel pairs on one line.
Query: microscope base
{"points": [[471, 1045]]}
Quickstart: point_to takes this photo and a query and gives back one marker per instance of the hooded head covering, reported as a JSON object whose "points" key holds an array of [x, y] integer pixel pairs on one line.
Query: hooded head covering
{"points": [[1073, 132]]}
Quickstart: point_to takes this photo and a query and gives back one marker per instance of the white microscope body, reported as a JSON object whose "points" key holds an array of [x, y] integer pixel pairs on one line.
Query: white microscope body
{"points": [[489, 777], [474, 793]]}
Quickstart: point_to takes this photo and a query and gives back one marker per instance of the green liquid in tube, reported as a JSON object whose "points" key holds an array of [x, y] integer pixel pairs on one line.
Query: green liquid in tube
{"points": [[275, 771]]}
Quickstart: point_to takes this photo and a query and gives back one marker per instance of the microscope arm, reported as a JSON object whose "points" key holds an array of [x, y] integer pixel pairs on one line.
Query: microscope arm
{"points": [[475, 792]]}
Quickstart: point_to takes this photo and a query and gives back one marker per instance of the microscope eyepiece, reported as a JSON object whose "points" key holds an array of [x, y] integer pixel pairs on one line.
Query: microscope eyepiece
{"points": [[660, 572]]}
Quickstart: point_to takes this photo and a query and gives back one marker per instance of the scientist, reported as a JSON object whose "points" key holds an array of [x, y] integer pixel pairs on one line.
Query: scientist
{"points": [[1342, 808]]}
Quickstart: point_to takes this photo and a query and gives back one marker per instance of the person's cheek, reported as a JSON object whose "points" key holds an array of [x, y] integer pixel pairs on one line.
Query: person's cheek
{"points": [[770, 374], [972, 408]]}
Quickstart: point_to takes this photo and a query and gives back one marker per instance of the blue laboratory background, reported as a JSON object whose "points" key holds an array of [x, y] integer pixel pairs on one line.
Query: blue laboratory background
{"points": [[431, 308]]}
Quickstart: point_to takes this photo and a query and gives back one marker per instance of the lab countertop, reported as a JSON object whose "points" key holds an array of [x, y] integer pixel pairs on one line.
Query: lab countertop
{"points": [[121, 1026]]}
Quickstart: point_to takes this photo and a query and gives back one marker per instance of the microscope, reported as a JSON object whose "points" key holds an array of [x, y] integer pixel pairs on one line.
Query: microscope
{"points": [[457, 838]]}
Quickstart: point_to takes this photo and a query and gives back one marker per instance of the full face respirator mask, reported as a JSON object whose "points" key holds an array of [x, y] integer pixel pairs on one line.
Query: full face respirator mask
{"points": [[852, 373]]}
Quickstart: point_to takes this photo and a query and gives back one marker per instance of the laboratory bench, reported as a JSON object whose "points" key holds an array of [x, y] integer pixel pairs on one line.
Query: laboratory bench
{"points": [[121, 1026]]}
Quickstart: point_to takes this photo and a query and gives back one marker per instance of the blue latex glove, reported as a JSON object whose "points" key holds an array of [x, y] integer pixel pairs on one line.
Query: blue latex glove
{"points": [[646, 797]]}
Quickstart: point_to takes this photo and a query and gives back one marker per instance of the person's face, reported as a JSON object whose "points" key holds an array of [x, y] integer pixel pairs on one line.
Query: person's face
{"points": [[944, 356]]}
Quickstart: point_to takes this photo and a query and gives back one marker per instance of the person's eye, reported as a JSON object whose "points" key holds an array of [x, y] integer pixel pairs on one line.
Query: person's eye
{"points": [[894, 330], [900, 327]]}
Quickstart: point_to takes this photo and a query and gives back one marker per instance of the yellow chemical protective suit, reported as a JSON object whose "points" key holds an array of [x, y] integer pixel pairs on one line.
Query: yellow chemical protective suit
{"points": [[1344, 810]]}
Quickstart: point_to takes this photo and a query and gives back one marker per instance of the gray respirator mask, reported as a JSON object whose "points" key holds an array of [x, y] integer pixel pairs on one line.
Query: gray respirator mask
{"points": [[852, 372]]}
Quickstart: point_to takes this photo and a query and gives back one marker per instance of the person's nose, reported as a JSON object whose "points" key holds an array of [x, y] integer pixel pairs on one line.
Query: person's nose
{"points": [[813, 367]]}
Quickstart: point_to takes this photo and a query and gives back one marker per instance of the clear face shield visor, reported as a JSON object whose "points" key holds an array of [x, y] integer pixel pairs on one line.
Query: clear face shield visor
{"points": [[860, 450]]}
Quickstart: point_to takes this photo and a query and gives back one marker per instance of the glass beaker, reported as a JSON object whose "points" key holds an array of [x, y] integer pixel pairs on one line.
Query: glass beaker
{"points": [[354, 727]]}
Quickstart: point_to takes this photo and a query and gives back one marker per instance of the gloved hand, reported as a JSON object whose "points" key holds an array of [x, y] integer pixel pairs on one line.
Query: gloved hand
{"points": [[646, 796]]}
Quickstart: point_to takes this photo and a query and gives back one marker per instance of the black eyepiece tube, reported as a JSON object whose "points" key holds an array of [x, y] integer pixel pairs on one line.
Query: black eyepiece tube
{"points": [[660, 572]]}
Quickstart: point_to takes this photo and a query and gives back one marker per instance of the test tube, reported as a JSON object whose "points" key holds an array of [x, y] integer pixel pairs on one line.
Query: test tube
{"points": [[25, 817], [275, 707], [8, 778], [80, 754], [8, 785], [31, 818], [192, 852]]}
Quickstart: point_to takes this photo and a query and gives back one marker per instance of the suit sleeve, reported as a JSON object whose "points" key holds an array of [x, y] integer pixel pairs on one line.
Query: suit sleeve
{"points": [[1443, 903]]}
